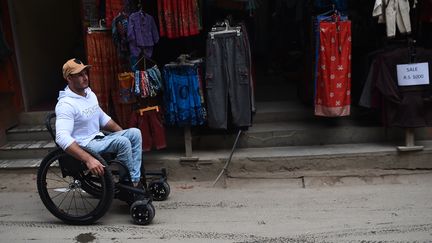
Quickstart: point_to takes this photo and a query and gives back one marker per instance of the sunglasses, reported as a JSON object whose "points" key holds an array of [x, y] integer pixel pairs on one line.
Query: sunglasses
{"points": [[80, 74]]}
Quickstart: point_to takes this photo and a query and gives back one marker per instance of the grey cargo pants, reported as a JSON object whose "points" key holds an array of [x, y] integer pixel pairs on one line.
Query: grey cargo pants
{"points": [[227, 80]]}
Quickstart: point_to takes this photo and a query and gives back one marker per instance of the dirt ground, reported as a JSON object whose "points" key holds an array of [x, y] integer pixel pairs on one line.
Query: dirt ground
{"points": [[393, 209]]}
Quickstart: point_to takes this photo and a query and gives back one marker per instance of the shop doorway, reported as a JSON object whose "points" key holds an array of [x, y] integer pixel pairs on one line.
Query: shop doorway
{"points": [[46, 33]]}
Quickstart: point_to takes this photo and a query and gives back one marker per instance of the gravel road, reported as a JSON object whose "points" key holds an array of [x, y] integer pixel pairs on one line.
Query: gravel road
{"points": [[397, 209]]}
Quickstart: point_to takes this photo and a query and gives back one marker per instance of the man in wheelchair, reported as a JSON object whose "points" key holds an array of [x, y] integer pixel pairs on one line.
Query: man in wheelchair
{"points": [[72, 180], [79, 120]]}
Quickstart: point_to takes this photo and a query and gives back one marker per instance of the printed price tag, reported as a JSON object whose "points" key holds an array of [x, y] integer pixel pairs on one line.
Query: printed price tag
{"points": [[413, 74]]}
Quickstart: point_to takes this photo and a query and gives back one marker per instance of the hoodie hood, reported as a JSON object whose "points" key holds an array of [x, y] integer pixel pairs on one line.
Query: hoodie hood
{"points": [[67, 92]]}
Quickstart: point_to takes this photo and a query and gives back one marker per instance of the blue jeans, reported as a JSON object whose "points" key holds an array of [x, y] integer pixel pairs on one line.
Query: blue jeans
{"points": [[127, 144]]}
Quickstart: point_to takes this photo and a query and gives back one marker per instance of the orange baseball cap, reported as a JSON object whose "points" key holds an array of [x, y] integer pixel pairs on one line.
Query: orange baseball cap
{"points": [[73, 66]]}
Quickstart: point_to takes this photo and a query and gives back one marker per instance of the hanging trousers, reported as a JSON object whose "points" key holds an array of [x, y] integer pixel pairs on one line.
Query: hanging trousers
{"points": [[151, 127], [227, 81]]}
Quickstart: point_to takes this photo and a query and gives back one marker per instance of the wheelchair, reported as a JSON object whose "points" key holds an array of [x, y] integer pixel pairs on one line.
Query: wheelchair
{"points": [[76, 196]]}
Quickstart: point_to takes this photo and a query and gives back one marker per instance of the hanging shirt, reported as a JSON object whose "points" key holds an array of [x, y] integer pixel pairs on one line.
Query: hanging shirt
{"points": [[119, 33], [142, 34], [393, 13]]}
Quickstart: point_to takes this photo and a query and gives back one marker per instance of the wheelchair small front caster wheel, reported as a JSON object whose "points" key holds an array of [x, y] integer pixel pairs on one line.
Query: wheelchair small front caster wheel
{"points": [[142, 212], [159, 190]]}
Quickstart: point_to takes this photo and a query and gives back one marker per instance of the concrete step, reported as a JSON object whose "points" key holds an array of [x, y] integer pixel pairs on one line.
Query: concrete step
{"points": [[26, 149], [281, 111], [28, 132], [294, 110], [11, 164], [338, 161], [293, 133], [305, 133], [33, 118], [296, 161]]}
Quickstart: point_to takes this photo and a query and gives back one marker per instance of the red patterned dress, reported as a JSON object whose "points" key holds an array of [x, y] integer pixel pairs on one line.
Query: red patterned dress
{"points": [[333, 91]]}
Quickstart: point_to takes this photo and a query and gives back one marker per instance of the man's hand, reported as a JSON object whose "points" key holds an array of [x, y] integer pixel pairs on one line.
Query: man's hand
{"points": [[95, 166], [112, 126]]}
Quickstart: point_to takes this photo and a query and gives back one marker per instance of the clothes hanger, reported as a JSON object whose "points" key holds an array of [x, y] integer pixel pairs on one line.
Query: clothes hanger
{"points": [[332, 13], [184, 60], [145, 58], [228, 29], [98, 28], [150, 108]]}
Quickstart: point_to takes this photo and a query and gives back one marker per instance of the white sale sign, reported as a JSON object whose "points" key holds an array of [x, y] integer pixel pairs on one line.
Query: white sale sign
{"points": [[413, 74]]}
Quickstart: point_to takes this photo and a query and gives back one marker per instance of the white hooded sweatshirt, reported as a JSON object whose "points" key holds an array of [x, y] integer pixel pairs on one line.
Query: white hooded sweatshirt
{"points": [[78, 118]]}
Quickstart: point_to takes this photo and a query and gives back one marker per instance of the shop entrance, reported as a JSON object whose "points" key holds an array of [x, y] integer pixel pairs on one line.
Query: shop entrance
{"points": [[279, 43], [46, 33], [47, 37]]}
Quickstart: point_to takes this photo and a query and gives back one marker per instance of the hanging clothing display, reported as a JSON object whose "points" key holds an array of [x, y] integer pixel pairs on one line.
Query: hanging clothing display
{"points": [[393, 13], [119, 34], [178, 18], [182, 95], [317, 21], [112, 8], [402, 106], [142, 34], [126, 87], [90, 13], [228, 80], [333, 87], [139, 84], [251, 65], [148, 83], [102, 56], [149, 121]]}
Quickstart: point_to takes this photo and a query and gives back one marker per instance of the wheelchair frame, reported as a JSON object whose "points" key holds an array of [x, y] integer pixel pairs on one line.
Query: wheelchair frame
{"points": [[76, 196]]}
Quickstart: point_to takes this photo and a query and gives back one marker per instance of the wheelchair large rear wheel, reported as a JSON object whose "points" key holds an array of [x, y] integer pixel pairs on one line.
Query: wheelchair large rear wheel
{"points": [[60, 183]]}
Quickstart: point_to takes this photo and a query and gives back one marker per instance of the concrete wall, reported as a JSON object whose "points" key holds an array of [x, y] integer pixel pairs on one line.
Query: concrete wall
{"points": [[9, 116], [47, 32]]}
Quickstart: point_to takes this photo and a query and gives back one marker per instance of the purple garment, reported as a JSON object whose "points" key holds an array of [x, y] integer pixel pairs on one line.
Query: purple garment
{"points": [[142, 34]]}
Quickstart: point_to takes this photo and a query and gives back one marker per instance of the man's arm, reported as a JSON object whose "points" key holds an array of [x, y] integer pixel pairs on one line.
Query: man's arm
{"points": [[94, 165], [64, 127], [112, 126]]}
